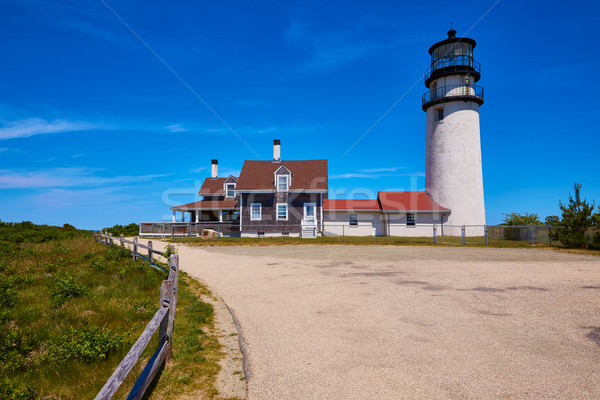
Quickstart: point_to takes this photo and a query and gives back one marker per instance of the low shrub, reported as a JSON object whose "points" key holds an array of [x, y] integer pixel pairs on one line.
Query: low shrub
{"points": [[116, 253], [87, 344], [66, 287], [98, 266], [132, 229], [13, 391]]}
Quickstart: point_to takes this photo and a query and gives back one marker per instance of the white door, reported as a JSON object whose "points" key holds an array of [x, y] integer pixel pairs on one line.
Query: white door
{"points": [[310, 213]]}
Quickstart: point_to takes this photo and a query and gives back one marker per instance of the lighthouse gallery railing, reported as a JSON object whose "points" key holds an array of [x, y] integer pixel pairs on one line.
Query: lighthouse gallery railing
{"points": [[452, 91]]}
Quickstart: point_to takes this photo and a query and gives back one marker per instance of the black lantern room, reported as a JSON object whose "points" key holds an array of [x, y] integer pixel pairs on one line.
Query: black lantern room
{"points": [[453, 56]]}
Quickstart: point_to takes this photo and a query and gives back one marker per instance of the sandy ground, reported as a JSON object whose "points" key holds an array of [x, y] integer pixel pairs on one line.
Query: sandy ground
{"points": [[357, 322]]}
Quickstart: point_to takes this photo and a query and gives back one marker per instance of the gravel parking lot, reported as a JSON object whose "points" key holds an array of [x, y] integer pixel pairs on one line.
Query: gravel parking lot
{"points": [[387, 322]]}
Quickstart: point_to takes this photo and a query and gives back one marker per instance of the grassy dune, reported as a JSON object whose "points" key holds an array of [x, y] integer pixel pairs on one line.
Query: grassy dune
{"points": [[71, 308]]}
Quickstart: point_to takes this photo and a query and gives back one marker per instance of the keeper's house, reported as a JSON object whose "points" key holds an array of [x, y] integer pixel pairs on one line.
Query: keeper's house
{"points": [[393, 214], [289, 198]]}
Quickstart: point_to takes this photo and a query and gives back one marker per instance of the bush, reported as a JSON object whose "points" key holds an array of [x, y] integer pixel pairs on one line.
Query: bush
{"points": [[15, 346], [596, 240], [66, 287], [12, 391], [576, 219], [20, 232], [132, 229], [88, 344], [98, 266], [116, 253]]}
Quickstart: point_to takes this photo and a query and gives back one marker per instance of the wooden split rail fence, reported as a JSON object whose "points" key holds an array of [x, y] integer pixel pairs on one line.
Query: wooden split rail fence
{"points": [[162, 321]]}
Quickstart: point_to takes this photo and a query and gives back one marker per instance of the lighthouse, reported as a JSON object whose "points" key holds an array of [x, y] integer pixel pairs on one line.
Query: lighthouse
{"points": [[453, 172]]}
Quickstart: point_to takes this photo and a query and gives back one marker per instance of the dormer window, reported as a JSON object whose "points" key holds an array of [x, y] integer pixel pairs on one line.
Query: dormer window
{"points": [[283, 183], [230, 190]]}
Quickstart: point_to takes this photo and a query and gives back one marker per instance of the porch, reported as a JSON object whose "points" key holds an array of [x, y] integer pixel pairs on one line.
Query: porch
{"points": [[188, 229]]}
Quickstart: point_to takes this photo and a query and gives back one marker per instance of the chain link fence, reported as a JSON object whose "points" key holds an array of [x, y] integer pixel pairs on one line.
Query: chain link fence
{"points": [[419, 233]]}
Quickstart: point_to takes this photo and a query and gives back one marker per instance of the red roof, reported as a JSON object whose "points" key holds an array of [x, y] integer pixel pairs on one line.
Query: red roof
{"points": [[212, 186], [207, 205], [408, 201], [346, 204], [306, 175]]}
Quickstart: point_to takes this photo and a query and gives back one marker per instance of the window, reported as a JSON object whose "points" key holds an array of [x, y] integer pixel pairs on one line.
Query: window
{"points": [[282, 212], [230, 192], [282, 183], [410, 219], [467, 80], [440, 114], [285, 234], [353, 218], [255, 211]]}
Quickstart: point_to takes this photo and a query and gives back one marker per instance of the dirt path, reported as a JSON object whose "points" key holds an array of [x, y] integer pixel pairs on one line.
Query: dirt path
{"points": [[356, 322]]}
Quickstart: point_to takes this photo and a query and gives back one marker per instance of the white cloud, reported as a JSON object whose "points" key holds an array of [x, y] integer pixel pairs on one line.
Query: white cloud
{"points": [[176, 128], [37, 126], [353, 175], [64, 177], [378, 170], [198, 170]]}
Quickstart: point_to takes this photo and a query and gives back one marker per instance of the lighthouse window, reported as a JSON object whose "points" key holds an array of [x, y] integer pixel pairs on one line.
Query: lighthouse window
{"points": [[440, 114]]}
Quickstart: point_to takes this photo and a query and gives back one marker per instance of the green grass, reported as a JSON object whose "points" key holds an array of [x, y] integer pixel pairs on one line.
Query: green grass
{"points": [[71, 309]]}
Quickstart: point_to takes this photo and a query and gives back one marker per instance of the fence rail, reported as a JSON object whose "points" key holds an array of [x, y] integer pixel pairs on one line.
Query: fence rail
{"points": [[162, 321]]}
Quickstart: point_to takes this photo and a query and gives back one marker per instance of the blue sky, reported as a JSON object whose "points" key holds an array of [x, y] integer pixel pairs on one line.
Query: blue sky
{"points": [[110, 112]]}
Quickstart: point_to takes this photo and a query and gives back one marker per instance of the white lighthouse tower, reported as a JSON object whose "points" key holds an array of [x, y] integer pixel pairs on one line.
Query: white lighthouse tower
{"points": [[453, 175]]}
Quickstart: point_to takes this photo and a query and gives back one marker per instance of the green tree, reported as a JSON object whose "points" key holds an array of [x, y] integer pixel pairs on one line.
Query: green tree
{"points": [[516, 219], [552, 220], [521, 219], [576, 219]]}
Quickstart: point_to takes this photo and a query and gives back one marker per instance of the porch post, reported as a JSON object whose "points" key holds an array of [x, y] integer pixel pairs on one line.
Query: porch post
{"points": [[197, 215], [220, 216], [174, 217], [183, 216]]}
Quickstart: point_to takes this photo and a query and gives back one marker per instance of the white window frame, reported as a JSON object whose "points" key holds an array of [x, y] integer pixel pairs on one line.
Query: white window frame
{"points": [[314, 205], [227, 189], [355, 219], [252, 211], [277, 212], [287, 183], [412, 221]]}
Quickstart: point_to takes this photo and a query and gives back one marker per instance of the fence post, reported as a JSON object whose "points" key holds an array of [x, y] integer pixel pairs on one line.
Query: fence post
{"points": [[343, 233], [463, 235], [174, 278], [485, 234], [532, 234], [172, 232], [110, 239], [550, 233], [166, 295], [434, 233], [122, 240], [150, 251], [135, 248]]}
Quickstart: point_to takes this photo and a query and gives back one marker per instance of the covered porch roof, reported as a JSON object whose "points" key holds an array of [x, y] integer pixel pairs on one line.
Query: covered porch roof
{"points": [[208, 205]]}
